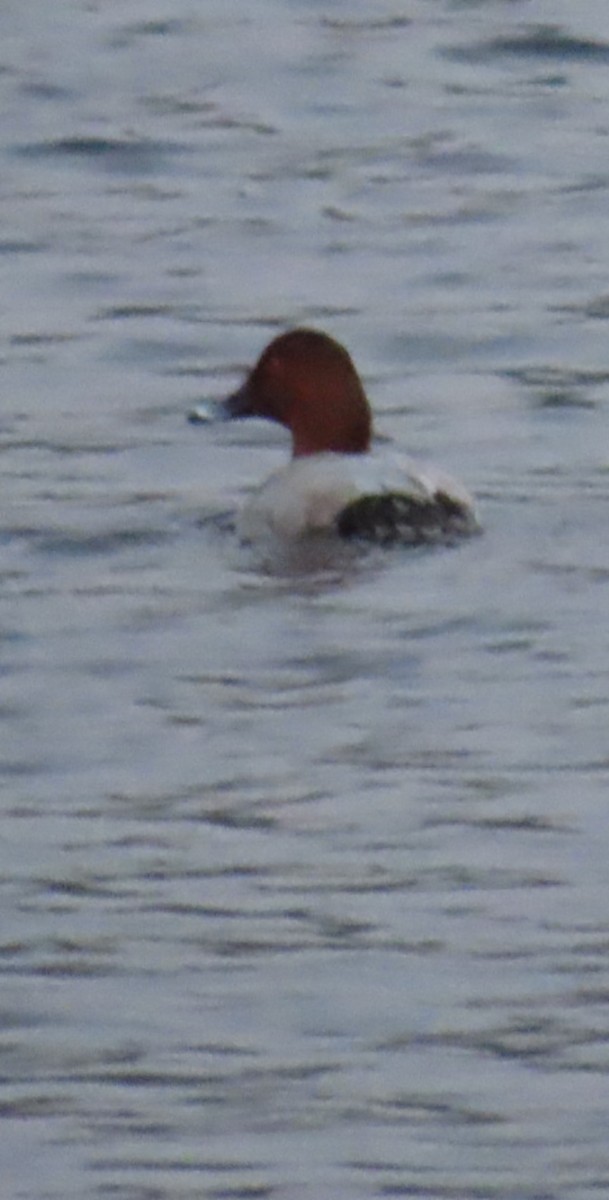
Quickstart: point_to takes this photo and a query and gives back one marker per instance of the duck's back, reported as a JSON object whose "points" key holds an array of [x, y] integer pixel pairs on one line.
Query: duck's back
{"points": [[375, 497]]}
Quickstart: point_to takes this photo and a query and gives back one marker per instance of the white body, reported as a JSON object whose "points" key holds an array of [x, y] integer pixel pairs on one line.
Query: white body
{"points": [[308, 494]]}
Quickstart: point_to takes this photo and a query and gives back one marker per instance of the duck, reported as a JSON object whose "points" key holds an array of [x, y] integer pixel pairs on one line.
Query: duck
{"points": [[336, 481]]}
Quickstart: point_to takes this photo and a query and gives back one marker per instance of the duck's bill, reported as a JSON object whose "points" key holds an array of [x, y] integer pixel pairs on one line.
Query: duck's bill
{"points": [[203, 414], [236, 405]]}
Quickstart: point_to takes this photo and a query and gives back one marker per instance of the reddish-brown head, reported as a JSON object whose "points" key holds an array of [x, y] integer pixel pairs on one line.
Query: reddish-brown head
{"points": [[306, 381]]}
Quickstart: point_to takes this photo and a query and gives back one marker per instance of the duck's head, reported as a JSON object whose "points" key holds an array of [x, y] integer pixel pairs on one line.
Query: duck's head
{"points": [[306, 381]]}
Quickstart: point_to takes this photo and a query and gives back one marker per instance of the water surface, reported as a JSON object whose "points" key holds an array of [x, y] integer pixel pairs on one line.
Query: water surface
{"points": [[303, 861]]}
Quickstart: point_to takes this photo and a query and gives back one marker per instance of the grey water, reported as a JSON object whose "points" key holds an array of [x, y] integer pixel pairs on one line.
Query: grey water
{"points": [[304, 864]]}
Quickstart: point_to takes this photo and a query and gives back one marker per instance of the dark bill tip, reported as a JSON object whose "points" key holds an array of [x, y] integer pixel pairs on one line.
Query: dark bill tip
{"points": [[201, 415], [236, 405]]}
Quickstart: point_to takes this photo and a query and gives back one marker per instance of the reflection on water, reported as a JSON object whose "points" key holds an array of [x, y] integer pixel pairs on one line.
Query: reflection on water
{"points": [[303, 855]]}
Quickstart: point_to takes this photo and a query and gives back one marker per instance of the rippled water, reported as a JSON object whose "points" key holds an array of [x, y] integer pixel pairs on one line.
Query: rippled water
{"points": [[304, 863]]}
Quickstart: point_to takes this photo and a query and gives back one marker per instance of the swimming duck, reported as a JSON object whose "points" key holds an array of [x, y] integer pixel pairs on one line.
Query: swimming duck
{"points": [[306, 381]]}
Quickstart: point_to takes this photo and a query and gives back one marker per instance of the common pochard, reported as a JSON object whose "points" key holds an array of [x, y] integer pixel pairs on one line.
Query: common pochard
{"points": [[306, 381]]}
